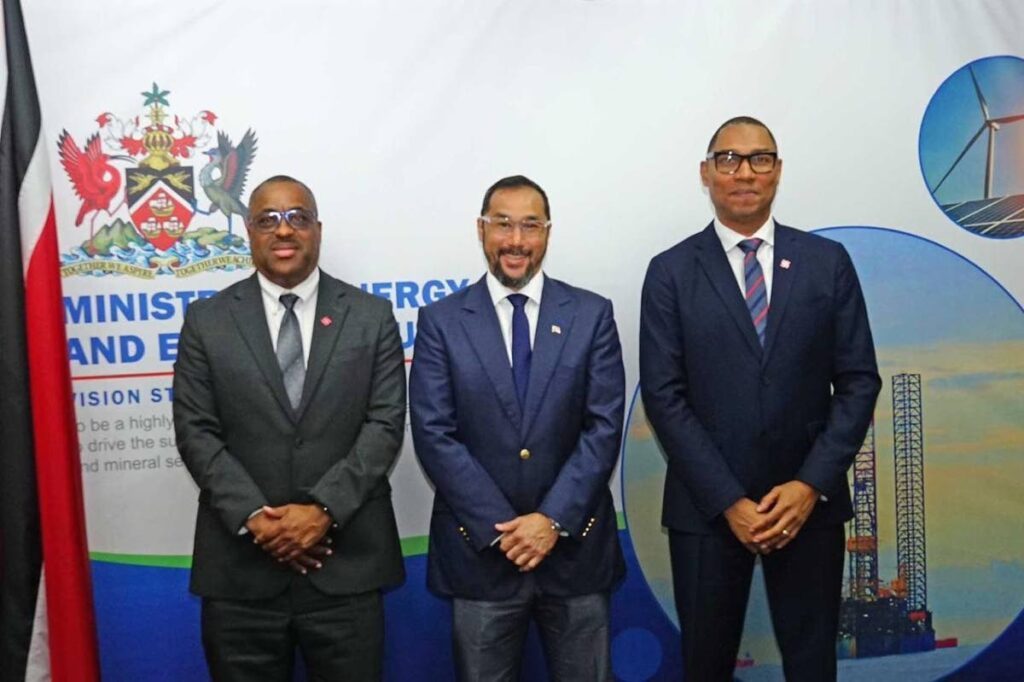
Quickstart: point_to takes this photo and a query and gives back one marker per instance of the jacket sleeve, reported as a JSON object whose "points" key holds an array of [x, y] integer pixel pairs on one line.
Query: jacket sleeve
{"points": [[457, 475], [584, 475], [197, 428], [855, 386], [663, 386], [357, 477]]}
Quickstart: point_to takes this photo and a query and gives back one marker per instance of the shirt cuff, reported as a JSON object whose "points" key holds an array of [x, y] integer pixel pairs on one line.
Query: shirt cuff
{"points": [[243, 530]]}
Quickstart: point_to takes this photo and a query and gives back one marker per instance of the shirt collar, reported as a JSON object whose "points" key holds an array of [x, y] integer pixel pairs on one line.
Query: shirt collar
{"points": [[303, 289], [731, 238], [500, 292]]}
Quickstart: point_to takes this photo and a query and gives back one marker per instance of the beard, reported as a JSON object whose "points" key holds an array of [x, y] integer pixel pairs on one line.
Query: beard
{"points": [[514, 283]]}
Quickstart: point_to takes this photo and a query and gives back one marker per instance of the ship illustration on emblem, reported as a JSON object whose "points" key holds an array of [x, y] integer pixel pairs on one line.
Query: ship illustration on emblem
{"points": [[138, 197]]}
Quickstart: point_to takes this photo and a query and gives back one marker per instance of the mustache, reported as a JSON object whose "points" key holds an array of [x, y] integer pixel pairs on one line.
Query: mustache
{"points": [[514, 251]]}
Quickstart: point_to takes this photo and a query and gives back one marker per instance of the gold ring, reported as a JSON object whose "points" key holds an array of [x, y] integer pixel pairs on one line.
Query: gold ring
{"points": [[785, 532]]}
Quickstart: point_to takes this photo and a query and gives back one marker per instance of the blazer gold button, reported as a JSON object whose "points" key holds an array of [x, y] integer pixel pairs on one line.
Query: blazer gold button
{"points": [[524, 454]]}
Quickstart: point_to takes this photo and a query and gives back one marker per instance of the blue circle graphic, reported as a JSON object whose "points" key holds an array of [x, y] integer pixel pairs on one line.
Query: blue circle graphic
{"points": [[971, 147], [636, 655], [945, 326]]}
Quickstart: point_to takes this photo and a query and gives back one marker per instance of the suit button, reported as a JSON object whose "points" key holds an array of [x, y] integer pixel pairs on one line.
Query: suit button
{"points": [[298, 442], [765, 381], [524, 454]]}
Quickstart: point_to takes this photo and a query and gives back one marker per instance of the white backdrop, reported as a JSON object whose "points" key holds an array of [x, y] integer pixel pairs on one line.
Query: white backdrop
{"points": [[400, 114]]}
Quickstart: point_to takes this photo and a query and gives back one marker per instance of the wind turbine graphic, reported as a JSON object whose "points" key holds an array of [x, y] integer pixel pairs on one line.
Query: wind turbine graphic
{"points": [[990, 124]]}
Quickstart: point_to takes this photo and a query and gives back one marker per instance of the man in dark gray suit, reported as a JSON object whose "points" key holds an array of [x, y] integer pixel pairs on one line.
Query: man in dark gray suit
{"points": [[289, 410]]}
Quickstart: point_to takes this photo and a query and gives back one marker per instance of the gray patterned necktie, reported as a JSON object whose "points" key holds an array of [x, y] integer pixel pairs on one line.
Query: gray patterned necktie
{"points": [[289, 351]]}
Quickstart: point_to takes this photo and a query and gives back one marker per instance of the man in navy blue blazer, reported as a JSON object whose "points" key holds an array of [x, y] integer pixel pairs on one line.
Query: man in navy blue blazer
{"points": [[758, 375], [516, 397]]}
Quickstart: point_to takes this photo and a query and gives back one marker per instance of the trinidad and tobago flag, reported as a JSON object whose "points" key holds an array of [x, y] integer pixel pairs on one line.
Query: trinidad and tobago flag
{"points": [[47, 628]]}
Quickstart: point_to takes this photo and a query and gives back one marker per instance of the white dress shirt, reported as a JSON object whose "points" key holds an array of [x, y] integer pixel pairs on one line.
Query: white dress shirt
{"points": [[503, 307], [765, 254], [305, 308]]}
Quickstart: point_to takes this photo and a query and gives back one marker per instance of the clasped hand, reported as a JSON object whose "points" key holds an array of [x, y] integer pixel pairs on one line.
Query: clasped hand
{"points": [[526, 540], [776, 520], [294, 534]]}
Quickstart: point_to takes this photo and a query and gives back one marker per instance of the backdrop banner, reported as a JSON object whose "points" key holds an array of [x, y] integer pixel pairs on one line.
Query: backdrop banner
{"points": [[901, 126]]}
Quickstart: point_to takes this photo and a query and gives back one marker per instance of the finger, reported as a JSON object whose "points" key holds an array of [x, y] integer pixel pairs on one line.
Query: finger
{"points": [[791, 532], [274, 545], [292, 554], [506, 526], [772, 533], [523, 559], [768, 501], [319, 551], [784, 528], [273, 512], [508, 541], [282, 548], [306, 562], [297, 567], [770, 520]]}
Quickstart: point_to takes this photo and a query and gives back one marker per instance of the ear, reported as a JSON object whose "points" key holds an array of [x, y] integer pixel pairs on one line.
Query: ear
{"points": [[704, 173], [480, 230]]}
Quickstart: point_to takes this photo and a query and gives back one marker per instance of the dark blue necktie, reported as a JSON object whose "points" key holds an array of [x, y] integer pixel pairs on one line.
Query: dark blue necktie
{"points": [[521, 351], [755, 289]]}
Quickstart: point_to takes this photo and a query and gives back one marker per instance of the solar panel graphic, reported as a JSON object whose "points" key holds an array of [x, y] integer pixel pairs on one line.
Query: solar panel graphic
{"points": [[998, 218]]}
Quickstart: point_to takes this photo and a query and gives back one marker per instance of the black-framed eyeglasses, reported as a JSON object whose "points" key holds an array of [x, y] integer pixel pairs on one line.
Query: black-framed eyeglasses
{"points": [[268, 221], [530, 227], [729, 162]]}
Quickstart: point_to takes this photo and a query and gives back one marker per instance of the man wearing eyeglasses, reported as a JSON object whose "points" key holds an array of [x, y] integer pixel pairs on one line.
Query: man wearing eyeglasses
{"points": [[289, 410], [516, 398], [758, 375]]}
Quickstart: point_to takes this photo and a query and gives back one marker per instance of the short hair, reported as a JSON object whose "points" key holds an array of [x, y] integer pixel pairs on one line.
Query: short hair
{"points": [[515, 182], [273, 179], [740, 120]]}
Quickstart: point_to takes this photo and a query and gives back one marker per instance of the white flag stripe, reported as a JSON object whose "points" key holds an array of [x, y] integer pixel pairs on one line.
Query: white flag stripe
{"points": [[37, 668], [33, 202]]}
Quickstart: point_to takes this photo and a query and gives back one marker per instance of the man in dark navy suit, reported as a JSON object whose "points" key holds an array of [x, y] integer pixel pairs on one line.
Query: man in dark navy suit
{"points": [[516, 397], [758, 375]]}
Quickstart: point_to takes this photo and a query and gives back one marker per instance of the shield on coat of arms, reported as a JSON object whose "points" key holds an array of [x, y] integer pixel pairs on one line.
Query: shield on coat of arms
{"points": [[161, 202]]}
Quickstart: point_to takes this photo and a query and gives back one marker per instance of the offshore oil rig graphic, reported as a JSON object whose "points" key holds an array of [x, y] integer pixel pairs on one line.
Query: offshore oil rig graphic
{"points": [[879, 619]]}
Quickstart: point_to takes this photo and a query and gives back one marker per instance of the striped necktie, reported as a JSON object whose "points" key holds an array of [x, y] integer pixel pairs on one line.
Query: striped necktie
{"points": [[755, 290]]}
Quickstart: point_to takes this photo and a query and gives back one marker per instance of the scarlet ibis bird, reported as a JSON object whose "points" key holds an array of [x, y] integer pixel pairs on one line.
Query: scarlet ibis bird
{"points": [[95, 179], [232, 165]]}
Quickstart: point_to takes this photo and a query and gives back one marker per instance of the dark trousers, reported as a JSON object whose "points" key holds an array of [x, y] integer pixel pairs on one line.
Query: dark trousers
{"points": [[488, 636], [711, 577], [341, 638]]}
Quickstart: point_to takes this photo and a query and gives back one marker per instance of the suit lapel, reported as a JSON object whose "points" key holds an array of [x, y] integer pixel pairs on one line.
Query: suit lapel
{"points": [[553, 327], [331, 311], [251, 320], [716, 265], [786, 249], [480, 322]]}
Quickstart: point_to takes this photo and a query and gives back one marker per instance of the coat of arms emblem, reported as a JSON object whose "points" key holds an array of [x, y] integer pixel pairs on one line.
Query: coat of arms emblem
{"points": [[135, 180]]}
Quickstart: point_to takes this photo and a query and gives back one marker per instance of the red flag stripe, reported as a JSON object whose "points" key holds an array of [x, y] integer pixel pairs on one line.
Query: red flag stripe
{"points": [[72, 633]]}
